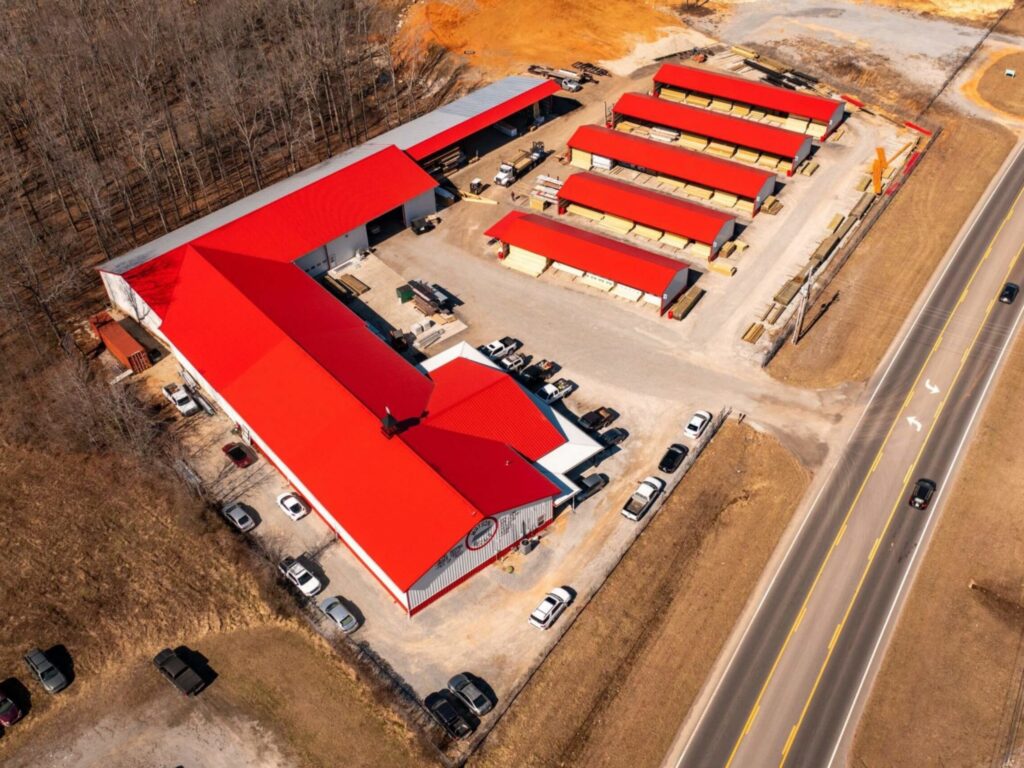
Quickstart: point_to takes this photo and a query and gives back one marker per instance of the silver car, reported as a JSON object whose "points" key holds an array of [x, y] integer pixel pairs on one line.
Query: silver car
{"points": [[550, 608], [236, 514], [336, 610], [462, 685], [51, 678]]}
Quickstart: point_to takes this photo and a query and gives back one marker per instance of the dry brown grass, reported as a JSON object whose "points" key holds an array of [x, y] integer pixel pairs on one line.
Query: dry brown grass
{"points": [[1004, 93], [616, 688], [882, 280], [954, 667]]}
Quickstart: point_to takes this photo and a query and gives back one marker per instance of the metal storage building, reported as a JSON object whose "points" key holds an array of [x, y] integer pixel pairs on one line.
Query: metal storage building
{"points": [[720, 134], [722, 181], [426, 473], [600, 262], [650, 214], [804, 112]]}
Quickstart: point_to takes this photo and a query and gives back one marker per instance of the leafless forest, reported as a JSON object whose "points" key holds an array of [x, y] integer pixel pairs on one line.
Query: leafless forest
{"points": [[123, 120]]}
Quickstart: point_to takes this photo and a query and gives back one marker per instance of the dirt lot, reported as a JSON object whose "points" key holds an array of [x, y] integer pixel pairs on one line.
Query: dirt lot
{"points": [[964, 647], [1002, 92], [499, 38], [882, 280], [280, 700], [648, 639]]}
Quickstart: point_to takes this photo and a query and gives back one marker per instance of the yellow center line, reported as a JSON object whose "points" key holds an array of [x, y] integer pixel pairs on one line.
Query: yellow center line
{"points": [[892, 515], [863, 484]]}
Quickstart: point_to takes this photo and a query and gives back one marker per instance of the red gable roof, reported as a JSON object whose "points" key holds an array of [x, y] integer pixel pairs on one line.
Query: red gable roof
{"points": [[674, 161], [714, 125], [312, 382], [645, 206], [752, 92], [478, 122], [599, 255]]}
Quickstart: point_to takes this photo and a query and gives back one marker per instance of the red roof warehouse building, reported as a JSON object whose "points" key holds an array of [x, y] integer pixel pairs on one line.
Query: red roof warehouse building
{"points": [[624, 270], [721, 130], [807, 112], [657, 213], [427, 473], [722, 181]]}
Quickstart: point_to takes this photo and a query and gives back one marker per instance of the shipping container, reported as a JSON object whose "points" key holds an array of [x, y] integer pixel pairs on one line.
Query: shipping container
{"points": [[121, 344]]}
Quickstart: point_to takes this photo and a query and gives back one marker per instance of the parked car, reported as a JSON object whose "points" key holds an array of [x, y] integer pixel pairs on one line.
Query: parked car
{"points": [[178, 673], [698, 423], [293, 505], [512, 362], [614, 436], [241, 455], [1010, 291], [335, 609], [498, 348], [552, 393], [570, 85], [643, 497], [9, 712], [43, 670], [447, 716], [597, 419], [462, 685], [538, 373], [673, 458], [421, 225], [589, 485], [180, 399], [550, 608], [924, 489], [237, 515], [299, 575]]}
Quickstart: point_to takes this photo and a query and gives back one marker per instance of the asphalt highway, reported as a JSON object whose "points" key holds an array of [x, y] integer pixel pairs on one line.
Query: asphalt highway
{"points": [[791, 691]]}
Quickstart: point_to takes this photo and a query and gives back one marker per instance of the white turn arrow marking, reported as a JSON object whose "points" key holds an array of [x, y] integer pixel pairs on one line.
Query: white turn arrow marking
{"points": [[912, 421], [931, 387]]}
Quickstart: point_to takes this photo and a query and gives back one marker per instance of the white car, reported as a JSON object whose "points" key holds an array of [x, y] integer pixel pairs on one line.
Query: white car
{"points": [[512, 362], [336, 610], [292, 505], [299, 575], [550, 608], [643, 497], [180, 399], [698, 423], [552, 393]]}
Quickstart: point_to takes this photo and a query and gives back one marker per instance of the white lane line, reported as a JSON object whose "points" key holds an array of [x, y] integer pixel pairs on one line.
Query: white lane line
{"points": [[925, 532], [867, 408]]}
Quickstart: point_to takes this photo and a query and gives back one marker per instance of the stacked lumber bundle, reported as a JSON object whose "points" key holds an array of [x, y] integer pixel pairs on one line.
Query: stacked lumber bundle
{"points": [[685, 304]]}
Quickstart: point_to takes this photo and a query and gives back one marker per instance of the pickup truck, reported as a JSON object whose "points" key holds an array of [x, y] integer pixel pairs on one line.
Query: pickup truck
{"points": [[180, 399], [643, 497], [597, 419], [552, 393], [178, 672], [499, 348], [538, 373], [299, 575], [512, 362]]}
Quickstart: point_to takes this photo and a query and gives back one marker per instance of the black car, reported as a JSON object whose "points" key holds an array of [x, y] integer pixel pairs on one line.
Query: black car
{"points": [[614, 436], [597, 419], [178, 672], [421, 225], [447, 716], [673, 458], [1010, 291], [924, 489], [589, 485]]}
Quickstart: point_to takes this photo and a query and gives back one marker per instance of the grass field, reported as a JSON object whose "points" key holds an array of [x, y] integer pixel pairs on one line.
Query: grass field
{"points": [[882, 280], [1002, 92], [956, 659], [635, 660]]}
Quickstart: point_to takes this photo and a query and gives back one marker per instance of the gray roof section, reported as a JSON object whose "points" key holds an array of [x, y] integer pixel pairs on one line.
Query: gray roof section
{"points": [[405, 136]]}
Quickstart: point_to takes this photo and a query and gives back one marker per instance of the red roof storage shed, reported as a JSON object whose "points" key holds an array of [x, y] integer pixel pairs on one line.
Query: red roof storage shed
{"points": [[676, 162], [751, 92], [650, 208], [767, 139]]}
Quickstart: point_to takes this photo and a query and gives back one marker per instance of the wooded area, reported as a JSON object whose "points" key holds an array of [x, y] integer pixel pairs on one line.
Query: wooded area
{"points": [[120, 121]]}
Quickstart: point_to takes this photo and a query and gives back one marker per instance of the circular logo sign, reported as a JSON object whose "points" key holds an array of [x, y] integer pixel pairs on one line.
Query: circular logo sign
{"points": [[482, 533]]}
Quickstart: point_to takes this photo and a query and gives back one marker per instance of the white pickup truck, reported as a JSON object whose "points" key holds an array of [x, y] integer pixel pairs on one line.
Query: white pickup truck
{"points": [[180, 399], [643, 497]]}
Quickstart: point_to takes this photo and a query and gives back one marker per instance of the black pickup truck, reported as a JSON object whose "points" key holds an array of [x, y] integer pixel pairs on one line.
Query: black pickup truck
{"points": [[178, 672]]}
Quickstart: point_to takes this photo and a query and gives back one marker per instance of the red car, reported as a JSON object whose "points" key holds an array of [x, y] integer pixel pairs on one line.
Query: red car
{"points": [[241, 455], [9, 712]]}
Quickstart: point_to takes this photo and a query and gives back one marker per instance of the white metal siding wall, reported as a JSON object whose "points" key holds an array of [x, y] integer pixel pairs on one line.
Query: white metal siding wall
{"points": [[343, 248], [420, 205], [460, 560], [124, 297]]}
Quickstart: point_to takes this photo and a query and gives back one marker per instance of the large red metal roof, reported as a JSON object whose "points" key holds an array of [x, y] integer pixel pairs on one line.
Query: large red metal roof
{"points": [[714, 125], [478, 122], [313, 383], [645, 206], [752, 92], [599, 255], [674, 161]]}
